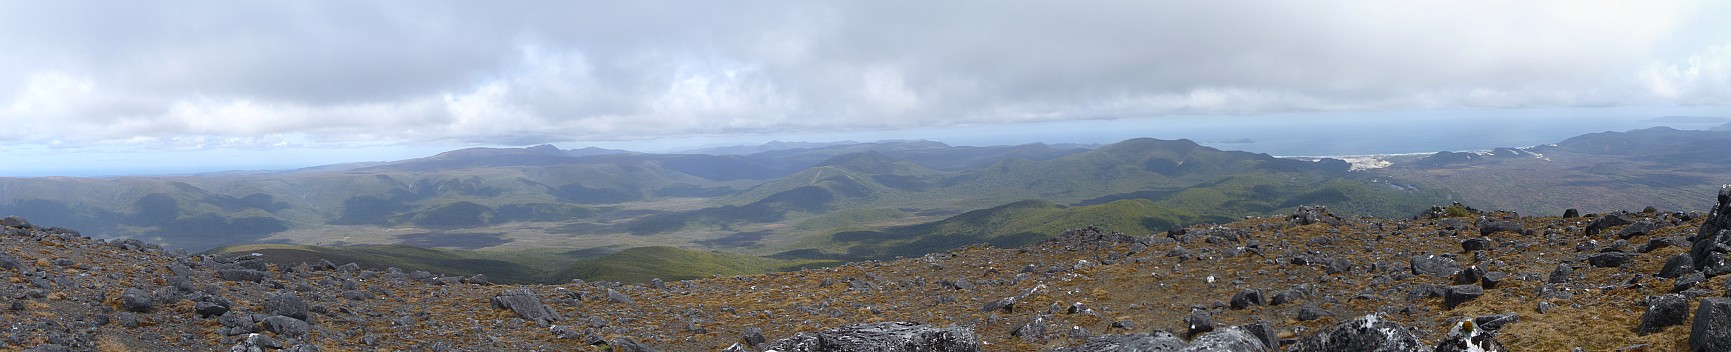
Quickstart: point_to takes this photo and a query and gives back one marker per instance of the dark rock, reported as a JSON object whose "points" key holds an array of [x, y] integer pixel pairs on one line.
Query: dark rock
{"points": [[210, 309], [885, 337], [626, 344], [136, 300], [1663, 311], [1560, 274], [7, 261], [1687, 282], [1500, 226], [564, 332], [357, 295], [1470, 275], [1034, 330], [1434, 266], [1712, 328], [617, 297], [1284, 297], [1309, 313], [1639, 228], [1655, 244], [1369, 333], [754, 336], [1337, 266], [1492, 279], [526, 304], [14, 221], [1006, 304], [1310, 214], [1159, 341], [349, 268], [285, 304], [1230, 339], [1475, 244], [286, 326], [1467, 336], [1263, 332], [1610, 260], [1713, 240], [1494, 323], [1604, 222], [1247, 298], [479, 279], [126, 319], [241, 275], [1571, 213], [1457, 294], [1709, 251], [1677, 266], [1199, 321]]}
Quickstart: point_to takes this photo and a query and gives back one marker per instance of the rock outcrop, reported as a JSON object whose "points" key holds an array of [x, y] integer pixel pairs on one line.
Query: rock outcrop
{"points": [[1370, 333], [886, 337]]}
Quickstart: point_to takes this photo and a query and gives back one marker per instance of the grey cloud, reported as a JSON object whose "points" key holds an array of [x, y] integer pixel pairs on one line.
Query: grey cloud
{"points": [[518, 71]]}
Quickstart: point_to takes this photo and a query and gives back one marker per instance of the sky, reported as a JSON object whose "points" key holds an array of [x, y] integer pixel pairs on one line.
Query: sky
{"points": [[101, 87]]}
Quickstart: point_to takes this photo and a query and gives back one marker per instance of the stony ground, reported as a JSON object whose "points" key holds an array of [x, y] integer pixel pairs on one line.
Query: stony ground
{"points": [[1567, 281]]}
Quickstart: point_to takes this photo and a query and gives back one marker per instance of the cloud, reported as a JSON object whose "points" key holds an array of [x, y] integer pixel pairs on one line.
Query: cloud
{"points": [[516, 73]]}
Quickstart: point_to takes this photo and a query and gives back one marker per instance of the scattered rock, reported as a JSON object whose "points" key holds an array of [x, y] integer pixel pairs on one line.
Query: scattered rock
{"points": [[14, 221], [1475, 244], [1006, 304], [753, 336], [1500, 226], [1677, 266], [1199, 321], [1604, 222], [242, 275], [1663, 311], [1311, 214], [1687, 282], [1246, 298], [885, 337], [1434, 266], [1308, 313], [1370, 333], [1493, 279], [1560, 274], [1230, 339], [1639, 228], [285, 304], [617, 297], [1466, 336], [526, 304], [286, 326], [1712, 328], [1610, 259], [1141, 342], [1469, 275], [1457, 294], [136, 300]]}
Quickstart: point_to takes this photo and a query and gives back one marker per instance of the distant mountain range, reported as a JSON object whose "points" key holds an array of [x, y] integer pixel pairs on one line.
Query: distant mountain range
{"points": [[542, 213]]}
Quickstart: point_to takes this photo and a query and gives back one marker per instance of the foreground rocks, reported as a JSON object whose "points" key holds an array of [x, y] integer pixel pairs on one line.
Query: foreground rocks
{"points": [[885, 337], [1311, 281]]}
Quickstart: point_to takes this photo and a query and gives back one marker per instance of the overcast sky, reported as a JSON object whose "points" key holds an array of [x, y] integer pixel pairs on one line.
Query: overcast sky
{"points": [[204, 75]]}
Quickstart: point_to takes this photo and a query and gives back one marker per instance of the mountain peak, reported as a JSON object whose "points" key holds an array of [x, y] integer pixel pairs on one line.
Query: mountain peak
{"points": [[544, 149], [869, 161]]}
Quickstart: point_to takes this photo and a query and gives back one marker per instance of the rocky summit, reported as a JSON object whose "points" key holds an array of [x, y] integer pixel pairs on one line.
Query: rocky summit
{"points": [[1454, 280]]}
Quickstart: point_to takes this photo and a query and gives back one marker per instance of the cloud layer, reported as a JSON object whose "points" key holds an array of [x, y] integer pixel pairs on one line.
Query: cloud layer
{"points": [[251, 73]]}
